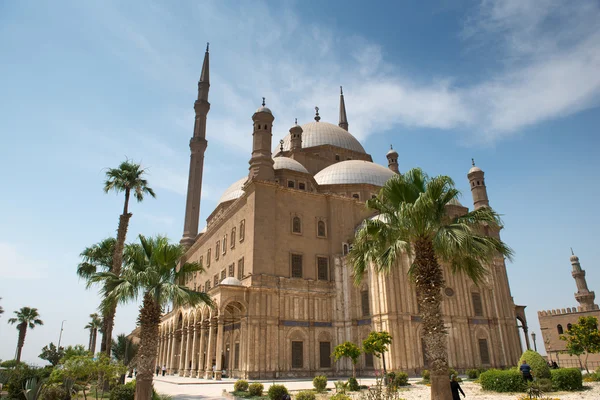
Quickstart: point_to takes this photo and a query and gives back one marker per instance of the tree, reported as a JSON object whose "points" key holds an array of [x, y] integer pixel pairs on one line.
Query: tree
{"points": [[52, 354], [349, 350], [78, 350], [153, 271], [27, 317], [376, 343], [124, 351], [127, 178], [413, 220], [94, 324], [583, 338]]}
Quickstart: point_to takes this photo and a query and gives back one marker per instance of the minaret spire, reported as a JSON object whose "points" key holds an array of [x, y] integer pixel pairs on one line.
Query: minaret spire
{"points": [[343, 119], [198, 145], [583, 295]]}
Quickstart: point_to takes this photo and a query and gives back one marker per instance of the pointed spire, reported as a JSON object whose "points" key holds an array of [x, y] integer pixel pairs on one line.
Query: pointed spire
{"points": [[343, 119], [572, 252], [204, 83]]}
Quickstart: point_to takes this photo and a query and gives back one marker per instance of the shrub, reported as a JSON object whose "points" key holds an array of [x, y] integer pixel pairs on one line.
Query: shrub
{"points": [[591, 377], [256, 389], [320, 383], [473, 373], [401, 379], [123, 392], [306, 395], [353, 385], [425, 375], [341, 386], [10, 363], [502, 381], [276, 392], [452, 371], [544, 384], [339, 396], [567, 379], [19, 375], [54, 393], [240, 385], [539, 367]]}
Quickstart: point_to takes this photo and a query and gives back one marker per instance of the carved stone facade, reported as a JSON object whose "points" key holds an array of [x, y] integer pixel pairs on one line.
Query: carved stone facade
{"points": [[274, 253]]}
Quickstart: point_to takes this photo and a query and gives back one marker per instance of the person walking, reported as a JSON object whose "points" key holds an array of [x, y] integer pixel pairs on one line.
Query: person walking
{"points": [[157, 369], [526, 371], [164, 370], [455, 388]]}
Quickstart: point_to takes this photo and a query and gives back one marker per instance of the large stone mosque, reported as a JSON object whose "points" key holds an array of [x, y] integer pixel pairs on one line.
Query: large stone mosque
{"points": [[274, 253]]}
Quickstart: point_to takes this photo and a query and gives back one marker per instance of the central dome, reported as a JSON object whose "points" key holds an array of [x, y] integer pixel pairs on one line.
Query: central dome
{"points": [[320, 133], [354, 172]]}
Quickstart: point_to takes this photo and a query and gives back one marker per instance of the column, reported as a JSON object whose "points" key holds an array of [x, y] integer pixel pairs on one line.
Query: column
{"points": [[171, 365], [181, 349], [188, 350], [219, 355], [201, 365], [208, 373], [194, 368]]}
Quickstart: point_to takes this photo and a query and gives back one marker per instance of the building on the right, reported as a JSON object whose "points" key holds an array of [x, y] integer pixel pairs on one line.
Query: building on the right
{"points": [[554, 323]]}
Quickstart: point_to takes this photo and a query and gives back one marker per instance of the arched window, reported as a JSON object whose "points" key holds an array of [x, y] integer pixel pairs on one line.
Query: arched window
{"points": [[217, 249], [233, 237], [356, 196], [345, 249], [560, 329], [296, 225], [224, 244], [242, 230], [208, 257], [477, 304], [321, 232], [364, 300], [568, 327]]}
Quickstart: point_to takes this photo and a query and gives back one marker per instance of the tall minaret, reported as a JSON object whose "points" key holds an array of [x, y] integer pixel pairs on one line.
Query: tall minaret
{"points": [[583, 295], [478, 190], [198, 145], [392, 157], [261, 163], [296, 136], [343, 119]]}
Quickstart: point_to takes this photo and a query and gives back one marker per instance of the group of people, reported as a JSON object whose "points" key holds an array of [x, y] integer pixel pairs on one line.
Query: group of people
{"points": [[163, 369]]}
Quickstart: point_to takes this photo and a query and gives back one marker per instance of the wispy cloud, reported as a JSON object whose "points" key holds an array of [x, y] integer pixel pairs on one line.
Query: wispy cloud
{"points": [[16, 264]]}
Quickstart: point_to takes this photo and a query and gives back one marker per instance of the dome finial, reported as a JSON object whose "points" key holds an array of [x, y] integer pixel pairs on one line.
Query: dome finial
{"points": [[572, 252], [341, 90], [472, 161], [391, 147], [295, 121], [207, 46], [263, 103], [317, 117], [281, 145]]}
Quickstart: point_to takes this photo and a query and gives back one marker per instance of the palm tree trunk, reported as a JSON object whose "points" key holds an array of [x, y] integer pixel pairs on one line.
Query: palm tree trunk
{"points": [[94, 336], [117, 261], [90, 340], [385, 377], [21, 341], [146, 358], [429, 282]]}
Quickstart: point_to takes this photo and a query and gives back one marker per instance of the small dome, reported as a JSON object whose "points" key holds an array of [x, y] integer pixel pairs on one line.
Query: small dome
{"points": [[475, 169], [455, 202], [574, 258], [234, 191], [392, 152], [263, 109], [320, 133], [354, 172], [231, 281], [289, 163]]}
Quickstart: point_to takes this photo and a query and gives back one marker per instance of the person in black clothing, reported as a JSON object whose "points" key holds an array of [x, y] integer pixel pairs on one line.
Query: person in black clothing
{"points": [[455, 387], [554, 365], [526, 371]]}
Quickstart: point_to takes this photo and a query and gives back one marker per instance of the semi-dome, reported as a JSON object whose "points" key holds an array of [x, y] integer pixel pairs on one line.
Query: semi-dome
{"points": [[231, 281], [321, 133], [288, 163], [354, 172], [234, 191]]}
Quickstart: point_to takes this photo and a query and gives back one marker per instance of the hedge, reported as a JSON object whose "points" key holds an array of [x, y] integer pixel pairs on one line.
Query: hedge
{"points": [[497, 380], [567, 379], [539, 367]]}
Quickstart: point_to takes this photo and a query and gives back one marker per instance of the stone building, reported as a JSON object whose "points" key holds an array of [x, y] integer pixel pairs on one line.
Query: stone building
{"points": [[274, 252], [554, 323]]}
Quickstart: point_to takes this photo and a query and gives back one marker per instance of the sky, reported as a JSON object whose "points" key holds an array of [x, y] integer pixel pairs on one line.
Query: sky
{"points": [[513, 84]]}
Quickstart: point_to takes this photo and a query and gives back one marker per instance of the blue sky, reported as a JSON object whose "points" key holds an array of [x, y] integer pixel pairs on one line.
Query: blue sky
{"points": [[511, 83]]}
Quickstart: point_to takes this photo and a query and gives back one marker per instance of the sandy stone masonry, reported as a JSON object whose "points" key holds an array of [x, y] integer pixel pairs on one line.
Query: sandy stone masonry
{"points": [[274, 252]]}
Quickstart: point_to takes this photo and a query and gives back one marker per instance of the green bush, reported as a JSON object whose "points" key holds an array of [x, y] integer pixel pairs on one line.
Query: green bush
{"points": [[544, 384], [19, 375], [240, 385], [306, 395], [473, 373], [567, 379], [123, 392], [256, 389], [276, 392], [452, 371], [591, 377], [341, 386], [339, 396], [320, 383], [401, 379], [497, 380], [54, 392], [353, 385], [425, 375], [539, 367], [10, 363]]}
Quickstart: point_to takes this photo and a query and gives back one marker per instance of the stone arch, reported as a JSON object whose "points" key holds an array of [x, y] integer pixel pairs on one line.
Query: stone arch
{"points": [[483, 356], [324, 336]]}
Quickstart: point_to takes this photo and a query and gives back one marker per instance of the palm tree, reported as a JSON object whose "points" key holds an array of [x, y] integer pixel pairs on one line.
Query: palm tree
{"points": [[26, 317], [153, 271], [128, 178], [94, 324], [413, 220], [95, 258], [125, 350]]}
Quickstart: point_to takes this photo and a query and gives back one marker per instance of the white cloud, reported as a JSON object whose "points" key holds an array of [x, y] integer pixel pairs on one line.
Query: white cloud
{"points": [[16, 264]]}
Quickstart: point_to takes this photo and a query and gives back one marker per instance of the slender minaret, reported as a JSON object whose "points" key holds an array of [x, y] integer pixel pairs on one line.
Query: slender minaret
{"points": [[296, 136], [261, 162], [478, 190], [583, 295], [392, 157], [198, 145], [343, 119]]}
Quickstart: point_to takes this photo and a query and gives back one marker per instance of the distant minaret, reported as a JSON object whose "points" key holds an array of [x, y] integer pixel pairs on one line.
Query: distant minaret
{"points": [[392, 157], [583, 295], [261, 162], [343, 119], [296, 136], [478, 190], [198, 145]]}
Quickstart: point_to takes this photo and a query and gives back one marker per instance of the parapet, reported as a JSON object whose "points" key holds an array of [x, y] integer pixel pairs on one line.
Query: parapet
{"points": [[568, 310]]}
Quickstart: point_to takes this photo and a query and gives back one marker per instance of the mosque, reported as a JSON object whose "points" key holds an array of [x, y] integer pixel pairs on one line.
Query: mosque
{"points": [[274, 252]]}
